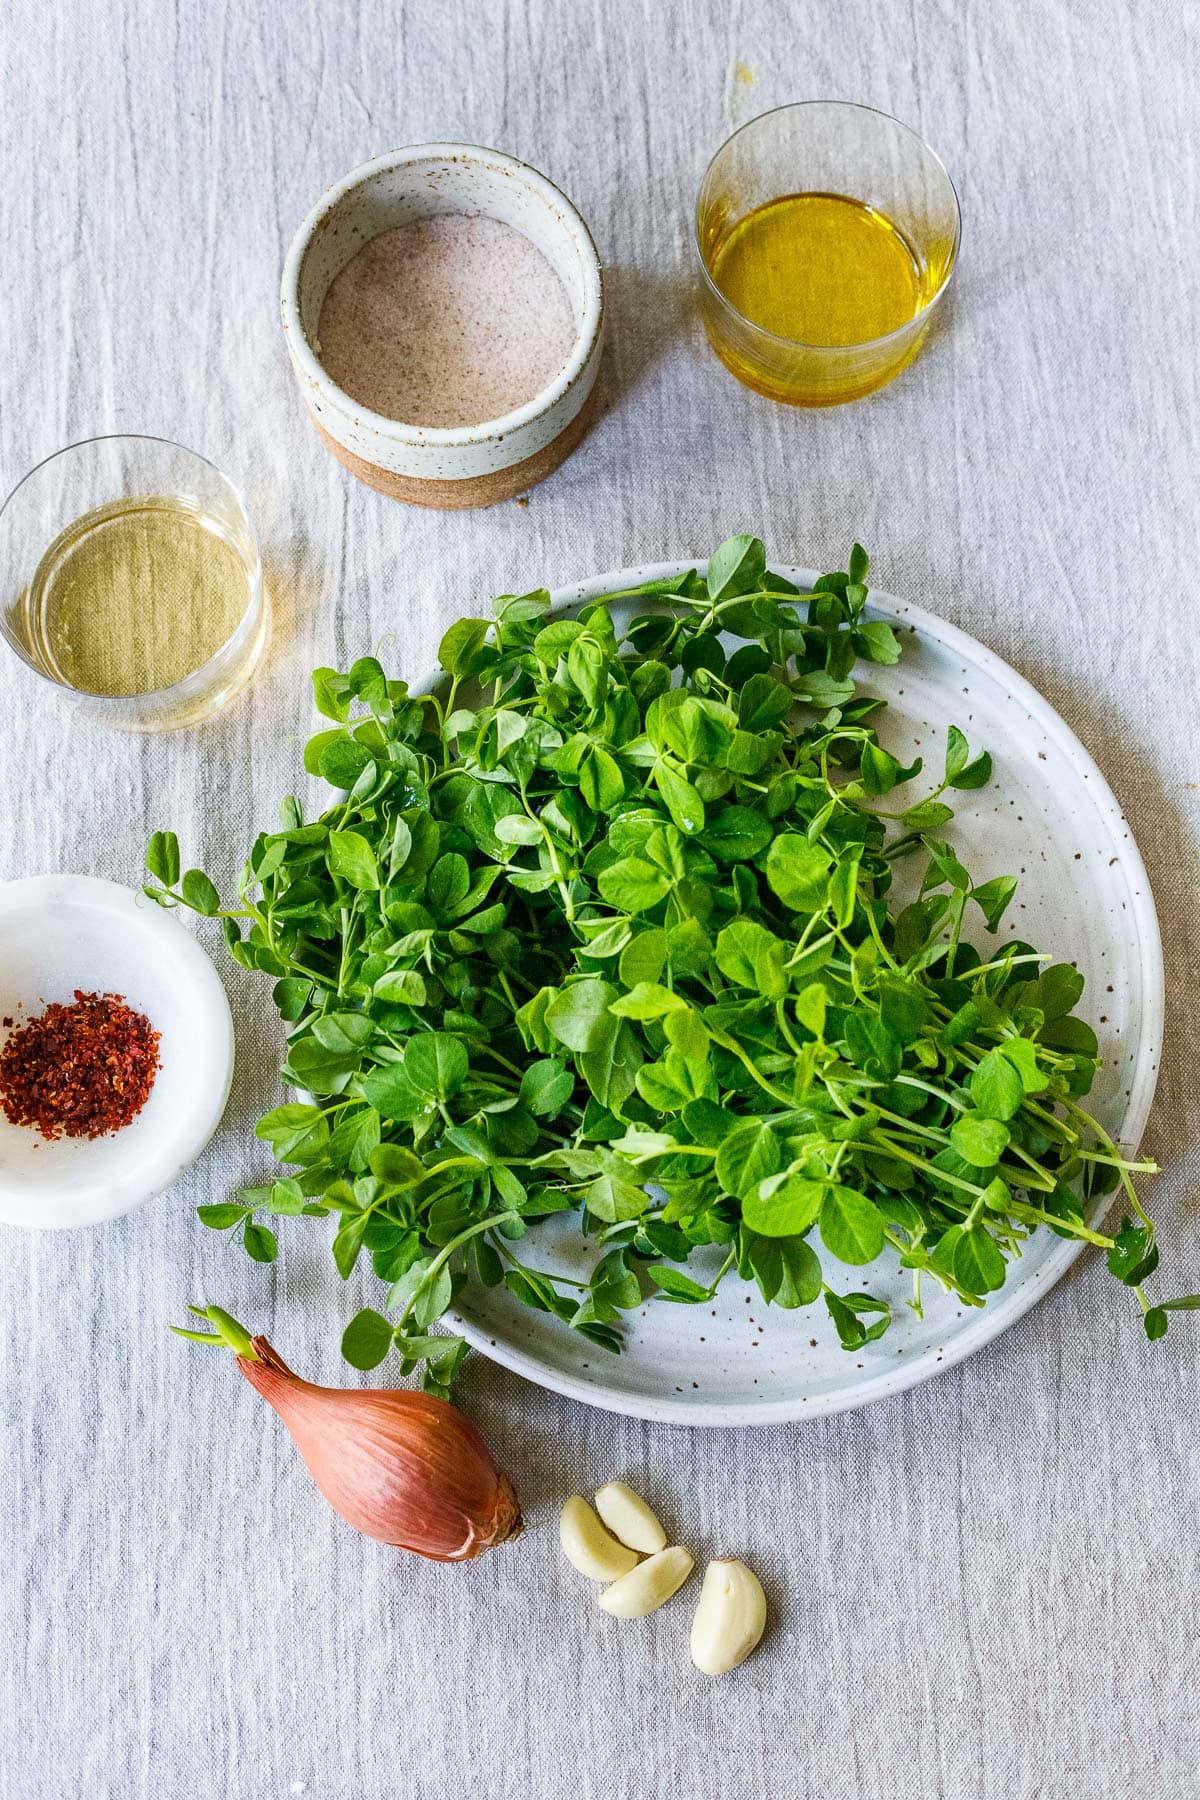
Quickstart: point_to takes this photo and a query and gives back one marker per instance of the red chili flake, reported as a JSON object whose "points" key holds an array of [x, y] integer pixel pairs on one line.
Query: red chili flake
{"points": [[79, 1071]]}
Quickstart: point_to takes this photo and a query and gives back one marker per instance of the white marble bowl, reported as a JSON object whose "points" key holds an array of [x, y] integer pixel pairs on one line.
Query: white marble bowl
{"points": [[62, 932], [474, 465]]}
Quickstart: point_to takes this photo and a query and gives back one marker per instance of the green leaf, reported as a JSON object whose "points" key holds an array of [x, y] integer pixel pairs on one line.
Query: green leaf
{"points": [[331, 694], [1133, 1257], [648, 1000], [928, 815], [436, 1064], [787, 1270], [295, 1132], [979, 1141], [614, 1284], [612, 1199], [401, 986], [753, 957], [1022, 1054], [396, 1164], [610, 1068], [260, 1243], [392, 1092], [944, 869], [222, 1217], [287, 1197], [848, 1312], [578, 1014], [881, 771], [878, 643], [587, 666], [348, 1243], [977, 774], [1156, 1319], [199, 893], [461, 644], [449, 883], [997, 1090], [851, 1225], [600, 780], [799, 872], [978, 1264], [993, 898], [675, 1285], [546, 1087], [344, 762], [351, 858], [162, 857], [683, 799], [1059, 990], [735, 834], [442, 1364], [843, 892], [659, 1089], [644, 958], [634, 885], [873, 1045], [366, 1339], [431, 1297], [957, 752], [291, 997], [810, 1005], [747, 1156], [904, 1008], [789, 1210], [961, 772], [736, 568]]}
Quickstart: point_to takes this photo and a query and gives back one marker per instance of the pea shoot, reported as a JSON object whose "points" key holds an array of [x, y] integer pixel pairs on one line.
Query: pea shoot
{"points": [[605, 926]]}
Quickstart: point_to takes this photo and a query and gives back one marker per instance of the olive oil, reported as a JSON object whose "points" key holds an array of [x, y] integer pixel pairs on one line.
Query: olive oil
{"points": [[820, 269], [136, 596], [816, 298]]}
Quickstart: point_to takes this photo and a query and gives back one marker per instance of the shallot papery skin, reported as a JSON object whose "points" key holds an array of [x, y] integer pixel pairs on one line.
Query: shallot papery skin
{"points": [[400, 1466]]}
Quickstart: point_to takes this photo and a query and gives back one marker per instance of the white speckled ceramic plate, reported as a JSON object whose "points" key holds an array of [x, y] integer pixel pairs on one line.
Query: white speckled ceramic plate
{"points": [[1048, 816]]}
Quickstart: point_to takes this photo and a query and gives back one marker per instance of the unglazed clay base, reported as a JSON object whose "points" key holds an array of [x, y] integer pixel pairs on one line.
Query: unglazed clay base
{"points": [[472, 490]]}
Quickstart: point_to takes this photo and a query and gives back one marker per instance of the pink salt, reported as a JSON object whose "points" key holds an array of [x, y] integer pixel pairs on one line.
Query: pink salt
{"points": [[449, 321]]}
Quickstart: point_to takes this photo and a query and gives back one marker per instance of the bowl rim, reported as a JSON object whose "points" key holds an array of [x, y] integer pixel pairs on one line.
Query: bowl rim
{"points": [[587, 335]]}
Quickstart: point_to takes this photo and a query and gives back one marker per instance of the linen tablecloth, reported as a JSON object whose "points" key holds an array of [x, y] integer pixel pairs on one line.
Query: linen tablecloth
{"points": [[982, 1590]]}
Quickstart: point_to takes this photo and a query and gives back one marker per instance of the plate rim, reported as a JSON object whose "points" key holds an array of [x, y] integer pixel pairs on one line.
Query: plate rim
{"points": [[991, 1322]]}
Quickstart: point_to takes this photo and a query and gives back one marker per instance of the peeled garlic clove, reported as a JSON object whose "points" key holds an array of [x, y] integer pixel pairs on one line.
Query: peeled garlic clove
{"points": [[645, 1588], [588, 1547], [629, 1518], [730, 1617]]}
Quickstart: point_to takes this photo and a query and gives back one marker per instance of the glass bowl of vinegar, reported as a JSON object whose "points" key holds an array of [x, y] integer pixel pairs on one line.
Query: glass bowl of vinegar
{"points": [[130, 578], [827, 235]]}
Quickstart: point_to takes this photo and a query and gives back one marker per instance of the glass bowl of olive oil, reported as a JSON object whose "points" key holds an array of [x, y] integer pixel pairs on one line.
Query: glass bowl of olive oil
{"points": [[130, 577], [827, 235]]}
